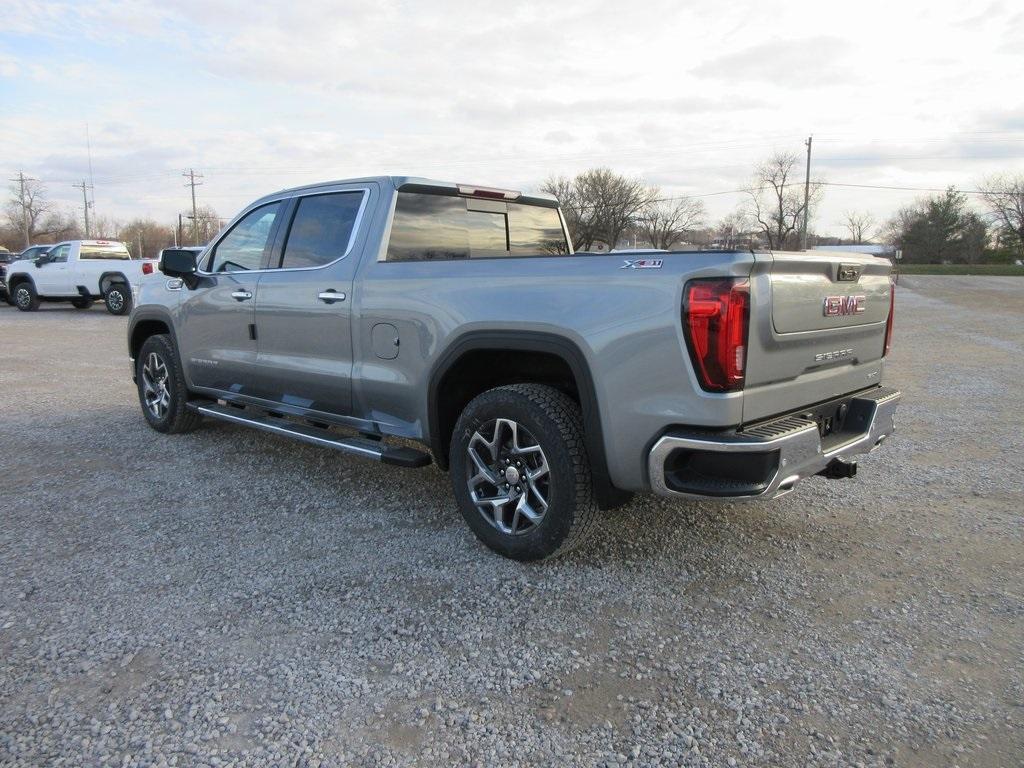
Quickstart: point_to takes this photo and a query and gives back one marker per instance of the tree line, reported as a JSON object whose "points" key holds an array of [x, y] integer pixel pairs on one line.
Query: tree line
{"points": [[605, 210], [30, 213]]}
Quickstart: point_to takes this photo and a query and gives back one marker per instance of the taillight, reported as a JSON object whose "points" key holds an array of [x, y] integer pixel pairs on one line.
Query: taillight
{"points": [[888, 323], [716, 318], [147, 267]]}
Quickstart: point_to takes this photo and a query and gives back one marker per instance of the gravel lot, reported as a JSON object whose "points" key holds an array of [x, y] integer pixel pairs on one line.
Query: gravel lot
{"points": [[233, 598]]}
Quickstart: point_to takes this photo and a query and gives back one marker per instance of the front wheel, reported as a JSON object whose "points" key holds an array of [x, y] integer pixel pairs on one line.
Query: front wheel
{"points": [[162, 391], [25, 297], [520, 472], [118, 299]]}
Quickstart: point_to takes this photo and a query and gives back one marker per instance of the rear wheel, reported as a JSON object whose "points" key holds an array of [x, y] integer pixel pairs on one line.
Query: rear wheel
{"points": [[163, 394], [25, 297], [520, 472], [118, 299], [82, 303]]}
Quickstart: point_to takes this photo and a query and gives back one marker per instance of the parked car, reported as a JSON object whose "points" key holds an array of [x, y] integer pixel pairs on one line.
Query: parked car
{"points": [[549, 385], [34, 251], [78, 271], [7, 258]]}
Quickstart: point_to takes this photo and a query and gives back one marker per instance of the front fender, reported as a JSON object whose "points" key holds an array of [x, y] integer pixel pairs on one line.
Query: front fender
{"points": [[147, 321]]}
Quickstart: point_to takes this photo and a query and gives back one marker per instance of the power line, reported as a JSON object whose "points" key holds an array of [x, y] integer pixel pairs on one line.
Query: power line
{"points": [[904, 189]]}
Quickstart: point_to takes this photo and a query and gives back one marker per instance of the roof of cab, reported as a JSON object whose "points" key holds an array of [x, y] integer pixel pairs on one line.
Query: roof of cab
{"points": [[395, 182]]}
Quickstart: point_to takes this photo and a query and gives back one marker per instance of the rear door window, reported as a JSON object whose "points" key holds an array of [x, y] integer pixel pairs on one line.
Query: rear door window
{"points": [[321, 230], [442, 227]]}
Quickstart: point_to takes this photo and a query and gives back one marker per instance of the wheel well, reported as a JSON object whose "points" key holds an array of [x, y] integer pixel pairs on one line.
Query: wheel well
{"points": [[17, 280], [142, 331], [109, 278], [477, 371]]}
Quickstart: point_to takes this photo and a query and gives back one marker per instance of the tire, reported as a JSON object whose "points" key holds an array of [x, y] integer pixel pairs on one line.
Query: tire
{"points": [[82, 303], [118, 298], [162, 391], [544, 419], [25, 297]]}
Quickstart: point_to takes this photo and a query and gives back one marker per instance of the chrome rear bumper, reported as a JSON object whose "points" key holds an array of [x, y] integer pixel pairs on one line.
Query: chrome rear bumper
{"points": [[767, 460]]}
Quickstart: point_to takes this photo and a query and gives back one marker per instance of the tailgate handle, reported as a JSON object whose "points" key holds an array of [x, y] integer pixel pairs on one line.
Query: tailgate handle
{"points": [[848, 273]]}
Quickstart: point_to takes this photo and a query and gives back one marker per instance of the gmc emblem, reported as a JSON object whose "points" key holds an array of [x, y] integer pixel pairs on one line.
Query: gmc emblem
{"points": [[834, 306]]}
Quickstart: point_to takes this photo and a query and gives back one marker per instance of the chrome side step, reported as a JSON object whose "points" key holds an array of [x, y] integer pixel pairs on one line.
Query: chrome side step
{"points": [[371, 449]]}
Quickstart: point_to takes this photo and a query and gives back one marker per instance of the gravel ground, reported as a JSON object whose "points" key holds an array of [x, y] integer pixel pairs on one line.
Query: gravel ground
{"points": [[233, 598]]}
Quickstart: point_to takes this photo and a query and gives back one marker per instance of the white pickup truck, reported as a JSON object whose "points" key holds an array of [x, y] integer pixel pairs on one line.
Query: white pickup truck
{"points": [[78, 271]]}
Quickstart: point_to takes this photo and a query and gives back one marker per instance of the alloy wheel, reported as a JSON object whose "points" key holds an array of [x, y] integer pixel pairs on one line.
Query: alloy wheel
{"points": [[155, 389], [508, 476], [115, 300], [22, 297]]}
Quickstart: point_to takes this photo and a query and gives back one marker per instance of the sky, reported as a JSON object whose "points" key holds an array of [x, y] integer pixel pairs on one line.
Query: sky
{"points": [[689, 96]]}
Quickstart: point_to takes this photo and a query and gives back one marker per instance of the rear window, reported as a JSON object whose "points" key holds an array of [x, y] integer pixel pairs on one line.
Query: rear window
{"points": [[441, 227], [89, 251]]}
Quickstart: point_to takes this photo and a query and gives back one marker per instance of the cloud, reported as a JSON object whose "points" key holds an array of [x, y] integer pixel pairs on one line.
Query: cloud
{"points": [[794, 63]]}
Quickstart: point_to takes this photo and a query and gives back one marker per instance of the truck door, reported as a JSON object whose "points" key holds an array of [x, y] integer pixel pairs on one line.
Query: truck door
{"points": [[216, 333], [303, 305], [53, 277]]}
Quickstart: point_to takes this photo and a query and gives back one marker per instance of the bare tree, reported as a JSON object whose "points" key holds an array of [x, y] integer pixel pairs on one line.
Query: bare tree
{"points": [[59, 225], [25, 210], [731, 231], [208, 224], [665, 222], [858, 223], [776, 201], [616, 200], [145, 237], [578, 218], [599, 205], [1004, 197]]}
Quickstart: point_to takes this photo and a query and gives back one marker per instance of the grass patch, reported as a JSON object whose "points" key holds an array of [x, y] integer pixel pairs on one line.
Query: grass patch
{"points": [[1009, 270]]}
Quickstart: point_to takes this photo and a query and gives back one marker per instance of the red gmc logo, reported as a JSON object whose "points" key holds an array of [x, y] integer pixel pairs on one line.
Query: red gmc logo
{"points": [[834, 306]]}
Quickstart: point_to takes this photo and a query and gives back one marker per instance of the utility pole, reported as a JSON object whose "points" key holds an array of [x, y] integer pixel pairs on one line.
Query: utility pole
{"points": [[85, 202], [191, 175], [807, 196], [23, 202]]}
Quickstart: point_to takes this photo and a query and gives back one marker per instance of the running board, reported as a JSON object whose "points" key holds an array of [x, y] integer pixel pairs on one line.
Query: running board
{"points": [[360, 446]]}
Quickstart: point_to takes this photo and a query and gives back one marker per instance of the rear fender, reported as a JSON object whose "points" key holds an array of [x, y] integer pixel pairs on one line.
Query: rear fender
{"points": [[109, 278]]}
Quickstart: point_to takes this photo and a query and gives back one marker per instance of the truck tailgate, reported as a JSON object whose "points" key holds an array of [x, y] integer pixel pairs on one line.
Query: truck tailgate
{"points": [[817, 328]]}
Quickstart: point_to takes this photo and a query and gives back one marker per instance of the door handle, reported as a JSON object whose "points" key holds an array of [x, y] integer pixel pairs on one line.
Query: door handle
{"points": [[241, 295], [330, 296]]}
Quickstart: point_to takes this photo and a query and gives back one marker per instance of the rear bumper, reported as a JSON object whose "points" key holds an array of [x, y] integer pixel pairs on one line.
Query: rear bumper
{"points": [[767, 460]]}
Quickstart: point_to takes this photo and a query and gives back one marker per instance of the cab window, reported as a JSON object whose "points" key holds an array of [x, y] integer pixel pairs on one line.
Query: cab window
{"points": [[243, 247], [321, 229], [59, 254]]}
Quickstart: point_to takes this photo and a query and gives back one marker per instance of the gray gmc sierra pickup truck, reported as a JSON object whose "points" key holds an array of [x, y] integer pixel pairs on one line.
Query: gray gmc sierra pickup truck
{"points": [[549, 384]]}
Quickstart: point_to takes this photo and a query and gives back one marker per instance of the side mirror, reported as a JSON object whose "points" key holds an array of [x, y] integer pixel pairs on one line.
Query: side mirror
{"points": [[177, 262], [40, 260]]}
